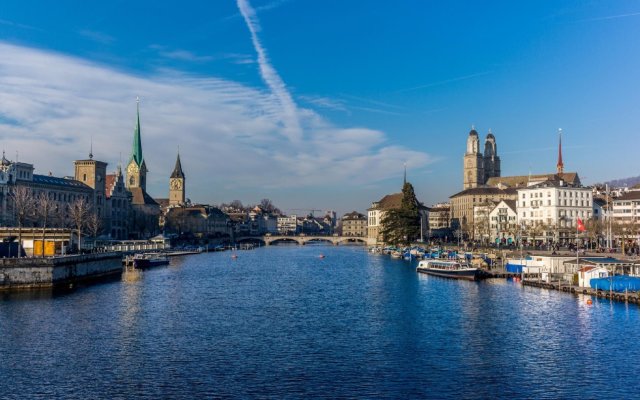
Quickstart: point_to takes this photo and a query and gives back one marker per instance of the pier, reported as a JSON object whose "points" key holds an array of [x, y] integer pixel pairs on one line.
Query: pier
{"points": [[627, 297]]}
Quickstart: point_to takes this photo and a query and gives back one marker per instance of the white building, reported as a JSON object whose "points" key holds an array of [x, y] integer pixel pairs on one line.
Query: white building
{"points": [[586, 273], [550, 210], [626, 208], [287, 225], [504, 222]]}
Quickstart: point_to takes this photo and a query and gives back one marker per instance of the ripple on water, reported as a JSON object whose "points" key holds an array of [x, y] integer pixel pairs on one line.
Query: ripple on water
{"points": [[281, 322]]}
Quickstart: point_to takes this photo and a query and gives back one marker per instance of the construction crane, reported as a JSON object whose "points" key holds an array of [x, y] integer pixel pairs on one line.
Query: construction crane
{"points": [[311, 210]]}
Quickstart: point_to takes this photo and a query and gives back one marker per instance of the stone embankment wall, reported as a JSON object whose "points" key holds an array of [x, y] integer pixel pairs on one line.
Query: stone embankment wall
{"points": [[32, 273]]}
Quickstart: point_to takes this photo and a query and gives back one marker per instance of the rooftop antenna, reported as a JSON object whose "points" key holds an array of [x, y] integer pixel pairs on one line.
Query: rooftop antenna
{"points": [[91, 149]]}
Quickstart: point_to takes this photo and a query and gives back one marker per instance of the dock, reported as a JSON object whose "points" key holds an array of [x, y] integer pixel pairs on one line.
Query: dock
{"points": [[627, 297]]}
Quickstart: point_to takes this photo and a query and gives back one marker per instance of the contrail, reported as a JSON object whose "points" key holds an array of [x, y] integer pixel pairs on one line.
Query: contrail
{"points": [[460, 78], [610, 17], [270, 75]]}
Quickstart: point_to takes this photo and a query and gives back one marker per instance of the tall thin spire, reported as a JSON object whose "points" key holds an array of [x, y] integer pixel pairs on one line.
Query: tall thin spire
{"points": [[560, 165], [136, 152], [91, 149], [177, 170]]}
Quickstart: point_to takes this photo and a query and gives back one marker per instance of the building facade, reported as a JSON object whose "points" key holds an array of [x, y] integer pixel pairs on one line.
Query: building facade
{"points": [[201, 221], [354, 224], [549, 211], [503, 220], [463, 204], [118, 206], [287, 225], [376, 213]]}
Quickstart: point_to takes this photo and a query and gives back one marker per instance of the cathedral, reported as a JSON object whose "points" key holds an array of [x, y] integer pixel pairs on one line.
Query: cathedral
{"points": [[479, 167]]}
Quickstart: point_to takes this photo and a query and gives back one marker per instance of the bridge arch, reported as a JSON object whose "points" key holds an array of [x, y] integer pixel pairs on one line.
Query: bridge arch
{"points": [[286, 239], [351, 239], [320, 239], [251, 239]]}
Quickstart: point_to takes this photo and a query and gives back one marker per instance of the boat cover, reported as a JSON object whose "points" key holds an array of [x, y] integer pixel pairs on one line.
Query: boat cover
{"points": [[618, 283]]}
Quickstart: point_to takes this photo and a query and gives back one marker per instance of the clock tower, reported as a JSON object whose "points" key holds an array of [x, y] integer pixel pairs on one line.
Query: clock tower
{"points": [[176, 184], [92, 173]]}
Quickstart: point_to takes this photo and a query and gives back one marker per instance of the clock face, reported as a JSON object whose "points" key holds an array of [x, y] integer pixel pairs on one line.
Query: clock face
{"points": [[176, 184]]}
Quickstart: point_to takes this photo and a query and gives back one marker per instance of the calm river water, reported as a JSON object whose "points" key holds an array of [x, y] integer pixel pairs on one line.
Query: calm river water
{"points": [[280, 322]]}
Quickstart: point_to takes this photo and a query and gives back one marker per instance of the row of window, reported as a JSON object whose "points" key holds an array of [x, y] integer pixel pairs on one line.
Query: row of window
{"points": [[562, 202], [562, 193]]}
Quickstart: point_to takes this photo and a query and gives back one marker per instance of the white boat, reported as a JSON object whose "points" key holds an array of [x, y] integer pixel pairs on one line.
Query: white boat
{"points": [[449, 269]]}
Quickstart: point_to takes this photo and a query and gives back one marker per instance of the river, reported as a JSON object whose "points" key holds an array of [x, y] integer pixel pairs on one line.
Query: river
{"points": [[281, 322]]}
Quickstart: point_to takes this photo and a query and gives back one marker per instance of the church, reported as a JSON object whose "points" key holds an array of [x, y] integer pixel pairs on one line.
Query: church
{"points": [[483, 184], [145, 210]]}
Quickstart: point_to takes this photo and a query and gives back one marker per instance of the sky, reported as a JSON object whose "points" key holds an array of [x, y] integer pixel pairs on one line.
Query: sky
{"points": [[320, 104]]}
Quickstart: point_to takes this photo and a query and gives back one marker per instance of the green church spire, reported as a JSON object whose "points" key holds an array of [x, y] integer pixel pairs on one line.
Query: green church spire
{"points": [[136, 153]]}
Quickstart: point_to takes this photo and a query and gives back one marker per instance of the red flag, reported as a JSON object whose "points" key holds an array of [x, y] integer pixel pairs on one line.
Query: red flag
{"points": [[581, 227]]}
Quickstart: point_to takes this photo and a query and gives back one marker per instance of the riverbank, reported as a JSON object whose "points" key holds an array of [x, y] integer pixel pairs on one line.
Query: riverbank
{"points": [[38, 273]]}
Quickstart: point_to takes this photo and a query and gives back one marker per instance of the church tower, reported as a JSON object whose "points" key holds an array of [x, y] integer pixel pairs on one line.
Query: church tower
{"points": [[92, 173], [491, 159], [137, 168], [176, 184], [473, 162]]}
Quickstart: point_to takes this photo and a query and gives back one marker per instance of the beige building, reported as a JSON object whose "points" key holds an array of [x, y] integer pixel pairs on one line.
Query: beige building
{"points": [[463, 204], [354, 224], [202, 221]]}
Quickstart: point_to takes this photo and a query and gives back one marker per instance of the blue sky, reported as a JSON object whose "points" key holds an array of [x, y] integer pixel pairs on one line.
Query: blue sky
{"points": [[344, 94]]}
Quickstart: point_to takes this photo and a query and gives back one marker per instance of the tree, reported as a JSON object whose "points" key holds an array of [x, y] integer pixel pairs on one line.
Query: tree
{"points": [[267, 206], [595, 229], [94, 224], [45, 208], [402, 225], [23, 207], [79, 212], [237, 204]]}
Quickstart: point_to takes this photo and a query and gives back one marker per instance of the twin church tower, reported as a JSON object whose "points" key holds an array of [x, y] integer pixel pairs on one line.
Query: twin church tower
{"points": [[479, 167], [137, 170]]}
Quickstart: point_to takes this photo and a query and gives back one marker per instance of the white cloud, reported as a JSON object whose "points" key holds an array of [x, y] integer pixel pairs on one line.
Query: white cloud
{"points": [[271, 77], [230, 135]]}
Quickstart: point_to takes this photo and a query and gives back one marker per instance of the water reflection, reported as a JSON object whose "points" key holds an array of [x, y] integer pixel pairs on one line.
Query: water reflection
{"points": [[282, 323]]}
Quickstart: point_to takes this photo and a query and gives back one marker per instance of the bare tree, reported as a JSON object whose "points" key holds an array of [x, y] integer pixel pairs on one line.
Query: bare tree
{"points": [[23, 207], [45, 208], [79, 212], [94, 224], [237, 204]]}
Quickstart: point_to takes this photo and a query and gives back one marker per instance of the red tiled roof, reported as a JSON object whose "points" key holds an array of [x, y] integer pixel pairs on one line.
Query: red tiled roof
{"points": [[109, 183]]}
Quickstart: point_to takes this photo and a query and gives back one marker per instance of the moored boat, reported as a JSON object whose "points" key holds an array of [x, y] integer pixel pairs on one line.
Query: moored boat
{"points": [[449, 269], [147, 260]]}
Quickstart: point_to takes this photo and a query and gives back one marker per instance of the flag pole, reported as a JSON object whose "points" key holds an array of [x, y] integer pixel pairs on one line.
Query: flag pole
{"points": [[577, 246]]}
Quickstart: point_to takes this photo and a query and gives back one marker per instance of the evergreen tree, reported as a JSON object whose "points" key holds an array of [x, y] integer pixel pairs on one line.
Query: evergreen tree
{"points": [[402, 225]]}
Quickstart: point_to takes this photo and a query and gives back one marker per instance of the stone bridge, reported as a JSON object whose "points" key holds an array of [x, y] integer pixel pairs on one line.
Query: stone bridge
{"points": [[302, 240]]}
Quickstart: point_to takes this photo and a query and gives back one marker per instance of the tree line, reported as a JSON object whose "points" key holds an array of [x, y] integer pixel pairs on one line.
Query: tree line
{"points": [[43, 211]]}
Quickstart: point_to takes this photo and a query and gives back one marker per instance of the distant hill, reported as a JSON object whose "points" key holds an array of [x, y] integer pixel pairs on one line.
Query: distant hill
{"points": [[628, 182]]}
